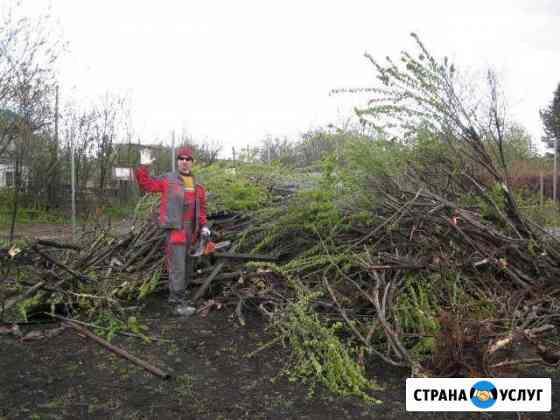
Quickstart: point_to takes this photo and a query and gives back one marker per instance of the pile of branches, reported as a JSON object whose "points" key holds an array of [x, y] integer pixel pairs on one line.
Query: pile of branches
{"points": [[93, 282], [463, 262], [106, 271], [430, 283]]}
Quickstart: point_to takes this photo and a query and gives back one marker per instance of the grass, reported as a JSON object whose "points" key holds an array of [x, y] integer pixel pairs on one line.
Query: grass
{"points": [[184, 385], [31, 215]]}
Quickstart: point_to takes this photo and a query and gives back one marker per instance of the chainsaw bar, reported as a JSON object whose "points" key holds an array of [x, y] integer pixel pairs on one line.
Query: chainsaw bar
{"points": [[206, 247]]}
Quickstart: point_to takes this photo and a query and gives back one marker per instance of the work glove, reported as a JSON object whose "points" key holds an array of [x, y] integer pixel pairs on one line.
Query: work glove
{"points": [[146, 157], [205, 232]]}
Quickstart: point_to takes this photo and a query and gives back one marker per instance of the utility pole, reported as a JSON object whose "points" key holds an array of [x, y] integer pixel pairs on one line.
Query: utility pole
{"points": [[73, 181], [542, 189], [53, 177], [56, 123], [233, 154], [555, 175]]}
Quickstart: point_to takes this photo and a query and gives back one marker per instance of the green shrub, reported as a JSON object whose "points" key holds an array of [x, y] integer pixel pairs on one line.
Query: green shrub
{"points": [[417, 310], [229, 191], [320, 357], [24, 215]]}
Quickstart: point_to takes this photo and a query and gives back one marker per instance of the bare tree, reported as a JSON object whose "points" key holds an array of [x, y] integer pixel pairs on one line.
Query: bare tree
{"points": [[77, 133], [277, 149], [207, 151], [28, 53], [27, 79], [106, 132]]}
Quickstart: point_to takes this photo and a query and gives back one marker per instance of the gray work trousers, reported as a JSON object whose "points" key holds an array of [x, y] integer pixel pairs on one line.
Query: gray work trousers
{"points": [[179, 266]]}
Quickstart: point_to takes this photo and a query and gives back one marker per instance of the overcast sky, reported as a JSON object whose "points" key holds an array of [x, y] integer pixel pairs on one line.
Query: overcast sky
{"points": [[236, 71]]}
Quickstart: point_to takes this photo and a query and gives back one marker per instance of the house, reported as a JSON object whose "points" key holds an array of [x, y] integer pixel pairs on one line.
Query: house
{"points": [[10, 129], [7, 175]]}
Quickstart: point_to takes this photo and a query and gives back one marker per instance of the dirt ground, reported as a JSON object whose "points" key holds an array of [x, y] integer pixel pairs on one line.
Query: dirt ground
{"points": [[53, 231], [69, 376], [38, 230]]}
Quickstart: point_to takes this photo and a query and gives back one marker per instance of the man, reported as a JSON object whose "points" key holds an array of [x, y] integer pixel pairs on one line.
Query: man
{"points": [[182, 213]]}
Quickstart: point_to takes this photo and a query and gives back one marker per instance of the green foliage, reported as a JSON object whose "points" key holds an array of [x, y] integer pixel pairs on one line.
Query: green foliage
{"points": [[423, 299], [418, 310], [118, 212], [547, 215], [134, 326], [319, 356], [417, 92], [149, 285], [24, 306], [527, 201], [227, 189], [108, 324], [332, 200], [365, 157], [518, 144], [486, 208], [428, 152], [25, 215], [146, 206], [184, 385], [347, 174], [309, 214], [19, 243], [231, 190], [550, 117]]}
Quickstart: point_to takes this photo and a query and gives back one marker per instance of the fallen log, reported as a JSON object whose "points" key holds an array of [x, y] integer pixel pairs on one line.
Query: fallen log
{"points": [[118, 351], [124, 333], [54, 244]]}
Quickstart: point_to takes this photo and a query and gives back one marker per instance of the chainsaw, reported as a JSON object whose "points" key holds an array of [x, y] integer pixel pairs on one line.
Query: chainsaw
{"points": [[205, 246]]}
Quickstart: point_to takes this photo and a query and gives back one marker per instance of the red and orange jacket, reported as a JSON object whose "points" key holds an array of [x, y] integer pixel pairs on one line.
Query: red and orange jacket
{"points": [[177, 206]]}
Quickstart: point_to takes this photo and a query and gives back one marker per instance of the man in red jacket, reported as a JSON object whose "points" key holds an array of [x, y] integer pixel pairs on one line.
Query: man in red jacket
{"points": [[182, 213]]}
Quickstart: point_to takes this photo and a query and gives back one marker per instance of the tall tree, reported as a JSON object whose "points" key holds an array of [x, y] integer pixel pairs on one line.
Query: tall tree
{"points": [[550, 117]]}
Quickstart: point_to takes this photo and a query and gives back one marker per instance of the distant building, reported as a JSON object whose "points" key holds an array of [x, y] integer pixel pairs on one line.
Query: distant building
{"points": [[8, 174], [123, 173], [9, 130]]}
